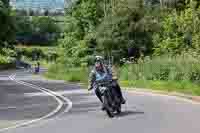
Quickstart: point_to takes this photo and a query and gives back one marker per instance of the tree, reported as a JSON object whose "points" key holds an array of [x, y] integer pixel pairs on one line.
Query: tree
{"points": [[129, 25], [24, 26], [45, 25], [6, 3], [7, 24], [80, 30], [88, 14], [179, 32]]}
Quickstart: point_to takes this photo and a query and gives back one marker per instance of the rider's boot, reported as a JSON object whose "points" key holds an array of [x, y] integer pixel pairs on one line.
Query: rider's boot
{"points": [[123, 101]]}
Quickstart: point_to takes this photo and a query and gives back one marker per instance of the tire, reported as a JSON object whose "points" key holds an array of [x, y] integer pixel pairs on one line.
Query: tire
{"points": [[110, 115], [119, 109], [107, 107]]}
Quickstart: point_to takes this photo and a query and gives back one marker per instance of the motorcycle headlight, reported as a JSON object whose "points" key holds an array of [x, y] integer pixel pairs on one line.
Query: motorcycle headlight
{"points": [[102, 89]]}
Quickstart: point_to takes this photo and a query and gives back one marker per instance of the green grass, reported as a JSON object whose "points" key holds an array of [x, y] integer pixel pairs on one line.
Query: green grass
{"points": [[166, 73], [185, 87], [81, 75], [71, 75], [176, 68], [179, 73]]}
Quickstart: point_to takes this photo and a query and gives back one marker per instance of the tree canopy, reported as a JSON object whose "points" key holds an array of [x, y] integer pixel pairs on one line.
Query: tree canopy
{"points": [[7, 31]]}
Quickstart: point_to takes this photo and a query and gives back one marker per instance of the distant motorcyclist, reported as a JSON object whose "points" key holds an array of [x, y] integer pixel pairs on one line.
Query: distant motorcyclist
{"points": [[101, 71], [37, 68]]}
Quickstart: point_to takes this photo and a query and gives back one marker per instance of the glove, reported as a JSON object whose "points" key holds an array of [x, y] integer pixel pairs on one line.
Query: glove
{"points": [[114, 78]]}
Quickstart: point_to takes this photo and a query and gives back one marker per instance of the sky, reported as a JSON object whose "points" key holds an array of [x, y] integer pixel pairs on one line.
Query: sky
{"points": [[38, 4]]}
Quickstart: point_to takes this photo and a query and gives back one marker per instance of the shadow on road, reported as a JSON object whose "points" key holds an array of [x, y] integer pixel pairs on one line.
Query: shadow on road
{"points": [[128, 112]]}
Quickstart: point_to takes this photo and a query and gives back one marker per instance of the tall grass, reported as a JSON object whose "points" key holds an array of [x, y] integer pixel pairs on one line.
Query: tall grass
{"points": [[162, 68], [168, 73], [185, 87], [62, 72], [168, 68]]}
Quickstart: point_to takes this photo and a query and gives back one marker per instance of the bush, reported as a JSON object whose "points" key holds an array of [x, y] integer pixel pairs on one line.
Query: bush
{"points": [[179, 31], [45, 53], [3, 60]]}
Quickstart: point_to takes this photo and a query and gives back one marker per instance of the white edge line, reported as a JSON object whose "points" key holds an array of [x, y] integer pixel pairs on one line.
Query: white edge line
{"points": [[49, 92], [163, 95]]}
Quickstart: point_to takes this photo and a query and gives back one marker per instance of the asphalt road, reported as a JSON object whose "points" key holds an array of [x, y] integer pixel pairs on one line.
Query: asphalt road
{"points": [[143, 113]]}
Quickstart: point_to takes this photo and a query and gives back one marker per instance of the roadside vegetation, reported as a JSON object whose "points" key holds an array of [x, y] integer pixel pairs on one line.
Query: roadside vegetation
{"points": [[6, 34], [22, 37], [153, 45], [164, 42]]}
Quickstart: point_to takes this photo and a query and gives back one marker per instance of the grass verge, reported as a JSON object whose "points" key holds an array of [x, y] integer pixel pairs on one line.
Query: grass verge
{"points": [[185, 87], [72, 75], [80, 75]]}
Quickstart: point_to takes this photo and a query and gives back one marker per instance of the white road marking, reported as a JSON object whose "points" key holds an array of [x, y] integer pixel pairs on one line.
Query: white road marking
{"points": [[25, 107], [163, 95], [4, 79], [9, 107], [64, 92], [44, 90]]}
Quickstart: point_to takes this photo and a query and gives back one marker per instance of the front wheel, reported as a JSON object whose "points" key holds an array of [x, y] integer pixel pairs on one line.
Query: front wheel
{"points": [[107, 107]]}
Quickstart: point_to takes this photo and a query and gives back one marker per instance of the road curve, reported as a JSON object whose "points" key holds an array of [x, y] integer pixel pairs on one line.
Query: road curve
{"points": [[143, 113]]}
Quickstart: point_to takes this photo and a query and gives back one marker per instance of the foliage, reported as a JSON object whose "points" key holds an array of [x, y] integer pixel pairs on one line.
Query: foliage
{"points": [[179, 32], [79, 32], [45, 25], [6, 56], [129, 25], [4, 60], [7, 25], [165, 42], [23, 25], [88, 32], [175, 68], [37, 30], [78, 74], [121, 25], [41, 53]]}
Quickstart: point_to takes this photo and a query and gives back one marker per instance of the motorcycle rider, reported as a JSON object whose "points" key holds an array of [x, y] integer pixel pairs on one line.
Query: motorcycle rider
{"points": [[101, 71]]}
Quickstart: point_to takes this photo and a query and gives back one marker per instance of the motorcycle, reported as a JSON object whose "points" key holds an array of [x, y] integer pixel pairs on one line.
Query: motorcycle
{"points": [[111, 101]]}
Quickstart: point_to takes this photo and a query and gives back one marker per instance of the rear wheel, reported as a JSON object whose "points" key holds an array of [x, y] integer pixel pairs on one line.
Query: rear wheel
{"points": [[109, 113], [119, 109]]}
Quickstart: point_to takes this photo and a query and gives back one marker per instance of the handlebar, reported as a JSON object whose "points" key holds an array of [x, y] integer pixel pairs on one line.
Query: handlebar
{"points": [[103, 83]]}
